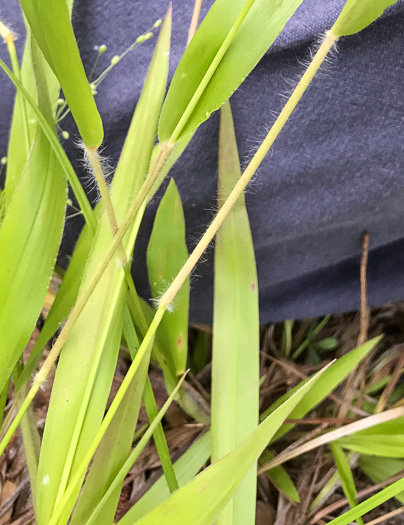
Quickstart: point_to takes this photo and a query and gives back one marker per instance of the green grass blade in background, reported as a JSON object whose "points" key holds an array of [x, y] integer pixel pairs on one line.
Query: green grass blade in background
{"points": [[236, 335], [64, 443], [263, 23], [346, 476], [379, 469], [200, 501], [358, 14], [186, 467], [280, 478], [29, 238], [332, 377], [51, 25], [371, 503], [166, 254]]}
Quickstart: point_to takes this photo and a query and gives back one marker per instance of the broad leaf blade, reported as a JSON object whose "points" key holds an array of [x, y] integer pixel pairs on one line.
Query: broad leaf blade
{"points": [[63, 302], [166, 254], [263, 23], [114, 447], [236, 345]]}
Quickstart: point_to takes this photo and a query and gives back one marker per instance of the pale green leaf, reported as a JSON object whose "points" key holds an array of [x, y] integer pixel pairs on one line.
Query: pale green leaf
{"points": [[236, 341], [119, 478], [30, 235], [166, 254], [383, 445], [68, 434], [113, 450]]}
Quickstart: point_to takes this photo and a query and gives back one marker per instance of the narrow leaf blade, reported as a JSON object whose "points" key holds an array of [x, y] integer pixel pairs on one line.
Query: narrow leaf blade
{"points": [[236, 346]]}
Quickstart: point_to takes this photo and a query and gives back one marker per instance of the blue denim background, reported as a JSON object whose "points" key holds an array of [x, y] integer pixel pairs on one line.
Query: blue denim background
{"points": [[335, 171]]}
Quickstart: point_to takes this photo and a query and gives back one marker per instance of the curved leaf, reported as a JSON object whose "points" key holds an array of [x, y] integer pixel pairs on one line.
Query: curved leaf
{"points": [[51, 25]]}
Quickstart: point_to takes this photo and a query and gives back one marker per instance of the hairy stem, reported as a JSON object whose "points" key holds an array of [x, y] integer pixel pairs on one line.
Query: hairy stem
{"points": [[168, 297]]}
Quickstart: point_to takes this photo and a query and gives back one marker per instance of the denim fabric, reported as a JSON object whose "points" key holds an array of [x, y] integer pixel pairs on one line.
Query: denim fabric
{"points": [[335, 171]]}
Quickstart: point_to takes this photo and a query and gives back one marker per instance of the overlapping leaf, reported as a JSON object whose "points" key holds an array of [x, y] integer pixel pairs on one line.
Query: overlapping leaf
{"points": [[200, 501], [29, 238]]}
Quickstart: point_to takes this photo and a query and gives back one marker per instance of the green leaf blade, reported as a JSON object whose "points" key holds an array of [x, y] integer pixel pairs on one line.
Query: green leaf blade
{"points": [[99, 326], [51, 25], [29, 238], [259, 29], [358, 14], [166, 254], [235, 352], [346, 476]]}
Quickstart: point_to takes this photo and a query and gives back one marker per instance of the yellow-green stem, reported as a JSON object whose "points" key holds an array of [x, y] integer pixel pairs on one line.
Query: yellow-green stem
{"points": [[170, 294], [106, 198], [9, 39]]}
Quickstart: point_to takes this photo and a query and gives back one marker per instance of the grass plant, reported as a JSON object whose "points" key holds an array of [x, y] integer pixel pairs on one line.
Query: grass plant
{"points": [[79, 464]]}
